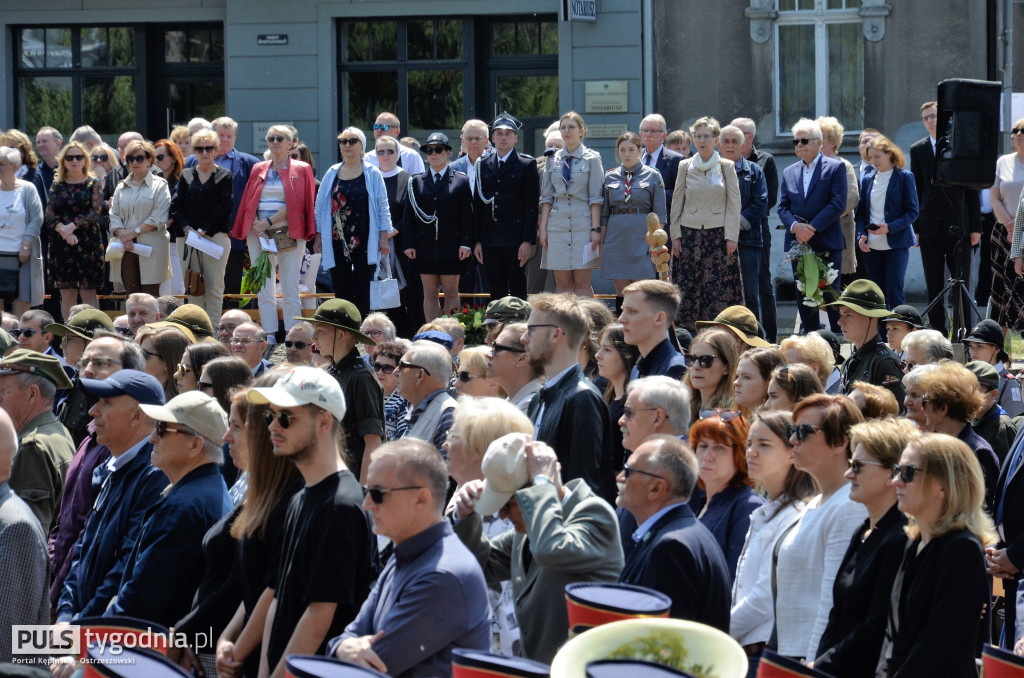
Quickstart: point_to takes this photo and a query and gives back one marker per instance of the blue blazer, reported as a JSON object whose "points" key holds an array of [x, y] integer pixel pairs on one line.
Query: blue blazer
{"points": [[754, 201], [668, 165], [824, 203], [901, 208]]}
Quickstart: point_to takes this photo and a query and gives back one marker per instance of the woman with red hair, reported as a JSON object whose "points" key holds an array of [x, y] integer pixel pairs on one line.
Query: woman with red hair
{"points": [[719, 439]]}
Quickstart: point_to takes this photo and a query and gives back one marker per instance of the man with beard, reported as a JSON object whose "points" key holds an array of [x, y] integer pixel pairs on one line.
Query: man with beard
{"points": [[328, 550]]}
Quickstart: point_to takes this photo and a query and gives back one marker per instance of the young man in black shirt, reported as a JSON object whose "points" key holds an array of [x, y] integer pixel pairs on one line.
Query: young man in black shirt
{"points": [[328, 556]]}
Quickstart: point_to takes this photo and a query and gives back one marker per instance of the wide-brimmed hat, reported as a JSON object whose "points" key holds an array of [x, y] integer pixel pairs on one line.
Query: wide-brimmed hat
{"points": [[905, 313], [195, 409], [27, 361], [864, 297], [83, 324], [505, 472], [506, 308], [193, 318], [438, 139], [340, 313], [741, 321]]}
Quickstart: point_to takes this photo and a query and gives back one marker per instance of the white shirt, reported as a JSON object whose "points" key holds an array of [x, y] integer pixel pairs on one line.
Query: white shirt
{"points": [[809, 560], [876, 212], [808, 172], [653, 162], [752, 615]]}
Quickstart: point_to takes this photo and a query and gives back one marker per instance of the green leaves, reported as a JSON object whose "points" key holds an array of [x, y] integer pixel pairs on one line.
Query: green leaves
{"points": [[256, 277]]}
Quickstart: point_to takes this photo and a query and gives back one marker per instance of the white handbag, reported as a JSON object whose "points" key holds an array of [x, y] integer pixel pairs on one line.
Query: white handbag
{"points": [[384, 292]]}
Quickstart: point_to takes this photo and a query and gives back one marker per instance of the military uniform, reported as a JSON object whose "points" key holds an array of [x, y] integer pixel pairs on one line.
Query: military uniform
{"points": [[877, 364]]}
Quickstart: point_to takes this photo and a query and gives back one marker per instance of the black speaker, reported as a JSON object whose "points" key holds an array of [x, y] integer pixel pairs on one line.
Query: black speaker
{"points": [[967, 133]]}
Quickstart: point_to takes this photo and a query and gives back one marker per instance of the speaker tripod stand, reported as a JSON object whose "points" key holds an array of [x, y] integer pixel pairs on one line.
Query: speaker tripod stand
{"points": [[956, 285]]}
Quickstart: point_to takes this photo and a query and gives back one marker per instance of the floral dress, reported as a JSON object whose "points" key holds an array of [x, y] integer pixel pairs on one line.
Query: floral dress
{"points": [[77, 266]]}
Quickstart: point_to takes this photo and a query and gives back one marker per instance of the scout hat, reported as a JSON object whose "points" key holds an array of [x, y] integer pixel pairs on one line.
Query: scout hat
{"points": [[741, 321], [163, 324], [303, 386], [506, 121], [139, 385], [506, 308], [505, 472], [24, 360], [193, 318], [195, 409], [864, 297], [988, 332], [987, 376], [7, 341], [83, 324], [438, 139], [340, 313], [905, 313]]}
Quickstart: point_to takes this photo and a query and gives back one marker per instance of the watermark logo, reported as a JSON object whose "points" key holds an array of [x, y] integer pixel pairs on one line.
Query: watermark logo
{"points": [[37, 639]]}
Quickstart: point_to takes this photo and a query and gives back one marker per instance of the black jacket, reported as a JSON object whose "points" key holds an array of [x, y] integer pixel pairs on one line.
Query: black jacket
{"points": [[875, 363], [577, 426], [1010, 493], [452, 203], [204, 207], [515, 188], [940, 205]]}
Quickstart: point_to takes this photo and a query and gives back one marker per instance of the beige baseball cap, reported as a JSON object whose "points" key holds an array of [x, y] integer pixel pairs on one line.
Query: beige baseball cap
{"points": [[505, 472], [195, 409]]}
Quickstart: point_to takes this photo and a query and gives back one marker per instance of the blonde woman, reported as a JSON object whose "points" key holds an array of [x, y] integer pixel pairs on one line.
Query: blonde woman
{"points": [[712, 361], [472, 379]]}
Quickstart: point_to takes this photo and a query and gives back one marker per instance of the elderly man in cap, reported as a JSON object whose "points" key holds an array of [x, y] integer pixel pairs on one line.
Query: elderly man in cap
{"points": [[671, 551], [510, 366], [861, 306], [505, 202], [993, 424], [431, 596], [132, 485], [562, 534], [327, 563], [742, 323], [108, 353], [23, 558], [423, 376], [336, 333], [903, 320], [502, 311], [648, 309], [985, 343], [166, 565], [28, 384]]}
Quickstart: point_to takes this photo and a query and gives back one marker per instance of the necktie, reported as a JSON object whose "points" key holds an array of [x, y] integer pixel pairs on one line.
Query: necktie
{"points": [[437, 177], [501, 163], [567, 171], [527, 555], [649, 160], [628, 189]]}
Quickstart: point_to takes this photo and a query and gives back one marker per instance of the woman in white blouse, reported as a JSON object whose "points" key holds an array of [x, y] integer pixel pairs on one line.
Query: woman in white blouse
{"points": [[770, 464], [808, 556]]}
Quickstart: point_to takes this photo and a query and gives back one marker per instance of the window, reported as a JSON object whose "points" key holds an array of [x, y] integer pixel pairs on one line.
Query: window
{"points": [[819, 62]]}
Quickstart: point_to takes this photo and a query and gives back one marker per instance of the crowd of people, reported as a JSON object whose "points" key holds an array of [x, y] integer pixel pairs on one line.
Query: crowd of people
{"points": [[383, 491]]}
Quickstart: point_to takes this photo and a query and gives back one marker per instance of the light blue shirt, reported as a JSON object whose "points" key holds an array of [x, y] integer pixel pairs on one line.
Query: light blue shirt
{"points": [[115, 463], [646, 526]]}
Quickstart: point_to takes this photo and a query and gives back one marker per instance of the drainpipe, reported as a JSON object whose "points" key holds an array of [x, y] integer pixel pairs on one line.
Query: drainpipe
{"points": [[647, 17]]}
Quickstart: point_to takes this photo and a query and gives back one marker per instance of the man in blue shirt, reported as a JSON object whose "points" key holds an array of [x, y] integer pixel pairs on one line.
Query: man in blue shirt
{"points": [[648, 309], [431, 597]]}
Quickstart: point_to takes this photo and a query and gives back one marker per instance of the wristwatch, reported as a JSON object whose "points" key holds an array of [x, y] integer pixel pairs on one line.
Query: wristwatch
{"points": [[541, 479], [138, 230]]}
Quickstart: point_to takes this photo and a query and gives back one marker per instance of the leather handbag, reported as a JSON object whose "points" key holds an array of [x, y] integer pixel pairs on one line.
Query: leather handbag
{"points": [[195, 281], [384, 291], [281, 238]]}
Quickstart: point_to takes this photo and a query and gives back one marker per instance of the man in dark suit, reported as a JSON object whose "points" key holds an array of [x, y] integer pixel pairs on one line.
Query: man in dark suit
{"points": [[507, 191], [941, 221], [1007, 561], [813, 196], [673, 553], [240, 165], [653, 130]]}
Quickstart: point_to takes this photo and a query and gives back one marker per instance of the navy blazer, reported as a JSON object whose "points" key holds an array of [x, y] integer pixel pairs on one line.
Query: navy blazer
{"points": [[512, 219], [668, 165], [753, 201], [900, 207], [1010, 493], [821, 208], [680, 558], [452, 203]]}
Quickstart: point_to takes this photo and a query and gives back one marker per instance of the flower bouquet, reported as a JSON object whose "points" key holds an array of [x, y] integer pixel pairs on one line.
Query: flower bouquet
{"points": [[472, 321], [814, 276]]}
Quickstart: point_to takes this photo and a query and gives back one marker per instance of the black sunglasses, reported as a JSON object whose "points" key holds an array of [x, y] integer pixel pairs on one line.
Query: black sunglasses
{"points": [[705, 361], [135, 158], [803, 141], [295, 156], [163, 429], [30, 332], [801, 431], [283, 418], [497, 348], [386, 369], [431, 150], [349, 142], [126, 331], [904, 473], [277, 139], [204, 149], [297, 344], [724, 415], [857, 465], [465, 377], [205, 384], [404, 365], [377, 494], [628, 470], [98, 158], [160, 157], [74, 158], [1017, 130], [385, 151]]}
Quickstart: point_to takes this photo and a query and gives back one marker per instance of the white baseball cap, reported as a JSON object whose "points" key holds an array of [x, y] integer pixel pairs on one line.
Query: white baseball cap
{"points": [[505, 472], [303, 386]]}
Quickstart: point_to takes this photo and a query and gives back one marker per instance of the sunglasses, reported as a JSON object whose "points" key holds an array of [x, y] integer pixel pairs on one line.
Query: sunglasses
{"points": [[379, 127], [163, 429], [283, 418], [705, 361], [803, 141], [404, 365], [100, 363], [431, 150], [1017, 130], [126, 331], [377, 494], [74, 158], [160, 157], [802, 431], [135, 158], [98, 158], [497, 348], [24, 333], [277, 139], [905, 473], [465, 377], [386, 369], [205, 384], [349, 142], [628, 412], [385, 151], [184, 368], [295, 156], [628, 470], [724, 415], [296, 344], [204, 149], [857, 465]]}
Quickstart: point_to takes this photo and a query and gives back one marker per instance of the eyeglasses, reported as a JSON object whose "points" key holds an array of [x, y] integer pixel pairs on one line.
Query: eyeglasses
{"points": [[163, 429], [226, 328], [465, 377], [386, 369], [160, 157], [135, 158], [100, 363], [802, 431], [628, 412], [703, 137], [283, 418], [905, 473], [857, 465], [243, 340], [349, 142], [431, 150], [705, 361], [628, 470], [925, 401], [374, 334], [204, 149], [297, 344], [724, 415], [205, 385], [531, 328], [380, 127], [802, 141], [385, 151], [277, 139], [404, 366], [74, 158], [474, 140], [30, 332], [98, 158], [650, 131], [377, 494], [497, 348], [1017, 130], [184, 368]]}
